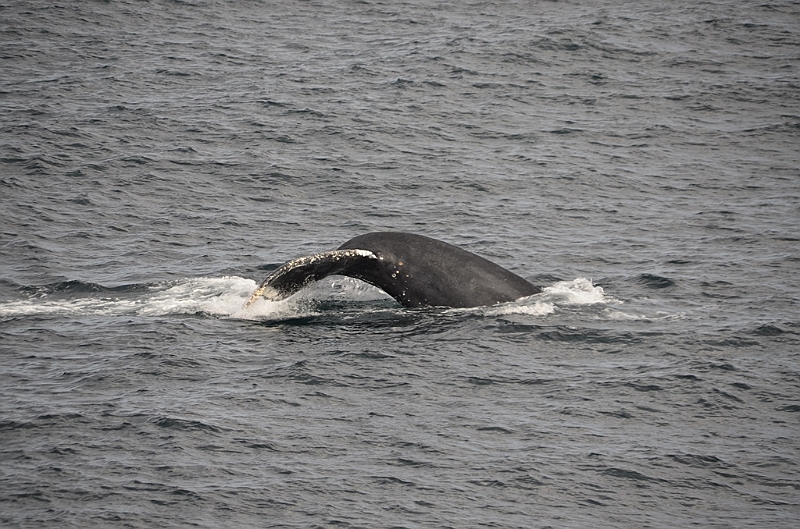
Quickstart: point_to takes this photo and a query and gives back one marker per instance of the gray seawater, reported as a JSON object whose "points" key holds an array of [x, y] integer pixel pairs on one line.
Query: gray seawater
{"points": [[640, 160]]}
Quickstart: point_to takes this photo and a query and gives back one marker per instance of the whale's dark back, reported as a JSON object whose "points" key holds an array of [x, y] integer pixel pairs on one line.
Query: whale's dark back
{"points": [[419, 271]]}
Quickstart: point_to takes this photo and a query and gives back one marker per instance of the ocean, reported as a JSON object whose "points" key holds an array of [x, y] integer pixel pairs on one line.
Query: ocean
{"points": [[639, 161]]}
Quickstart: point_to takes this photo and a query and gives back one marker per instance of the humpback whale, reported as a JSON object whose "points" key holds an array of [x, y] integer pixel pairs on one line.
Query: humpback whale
{"points": [[415, 270]]}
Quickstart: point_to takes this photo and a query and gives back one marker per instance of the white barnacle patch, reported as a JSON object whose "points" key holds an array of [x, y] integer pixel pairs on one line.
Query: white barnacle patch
{"points": [[334, 255], [363, 253]]}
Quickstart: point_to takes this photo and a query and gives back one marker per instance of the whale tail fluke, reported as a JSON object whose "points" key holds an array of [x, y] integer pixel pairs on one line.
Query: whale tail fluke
{"points": [[296, 274], [415, 270]]}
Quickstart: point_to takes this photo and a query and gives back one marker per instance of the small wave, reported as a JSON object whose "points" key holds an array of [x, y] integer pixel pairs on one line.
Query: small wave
{"points": [[655, 281], [176, 423], [77, 287]]}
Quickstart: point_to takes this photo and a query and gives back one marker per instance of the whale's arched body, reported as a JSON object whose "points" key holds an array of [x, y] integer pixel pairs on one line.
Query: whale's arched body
{"points": [[413, 269]]}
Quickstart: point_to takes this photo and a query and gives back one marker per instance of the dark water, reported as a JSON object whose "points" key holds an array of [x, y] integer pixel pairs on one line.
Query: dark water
{"points": [[638, 159]]}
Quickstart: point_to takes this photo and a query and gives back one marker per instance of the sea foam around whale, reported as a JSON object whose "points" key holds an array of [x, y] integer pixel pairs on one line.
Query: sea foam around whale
{"points": [[225, 296]]}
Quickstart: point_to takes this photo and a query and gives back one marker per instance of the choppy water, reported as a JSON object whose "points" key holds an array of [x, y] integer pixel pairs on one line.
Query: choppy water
{"points": [[640, 160]]}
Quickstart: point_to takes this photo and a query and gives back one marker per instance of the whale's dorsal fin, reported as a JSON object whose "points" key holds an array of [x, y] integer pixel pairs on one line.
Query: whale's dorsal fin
{"points": [[296, 274]]}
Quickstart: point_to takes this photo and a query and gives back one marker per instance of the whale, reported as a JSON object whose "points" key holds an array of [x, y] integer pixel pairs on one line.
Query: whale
{"points": [[415, 270]]}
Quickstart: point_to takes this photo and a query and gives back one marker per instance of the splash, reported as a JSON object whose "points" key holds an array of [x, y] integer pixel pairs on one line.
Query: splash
{"points": [[215, 296], [579, 291], [222, 297], [225, 297]]}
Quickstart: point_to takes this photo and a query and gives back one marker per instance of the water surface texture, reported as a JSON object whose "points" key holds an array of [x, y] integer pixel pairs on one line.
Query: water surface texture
{"points": [[638, 160]]}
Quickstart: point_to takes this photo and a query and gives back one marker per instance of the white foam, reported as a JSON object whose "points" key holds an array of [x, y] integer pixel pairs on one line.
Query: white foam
{"points": [[579, 291], [217, 296], [220, 296], [38, 306], [530, 308], [613, 314], [225, 297]]}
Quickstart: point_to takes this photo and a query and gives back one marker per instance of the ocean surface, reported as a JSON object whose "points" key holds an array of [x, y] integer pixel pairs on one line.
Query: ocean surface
{"points": [[638, 160]]}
